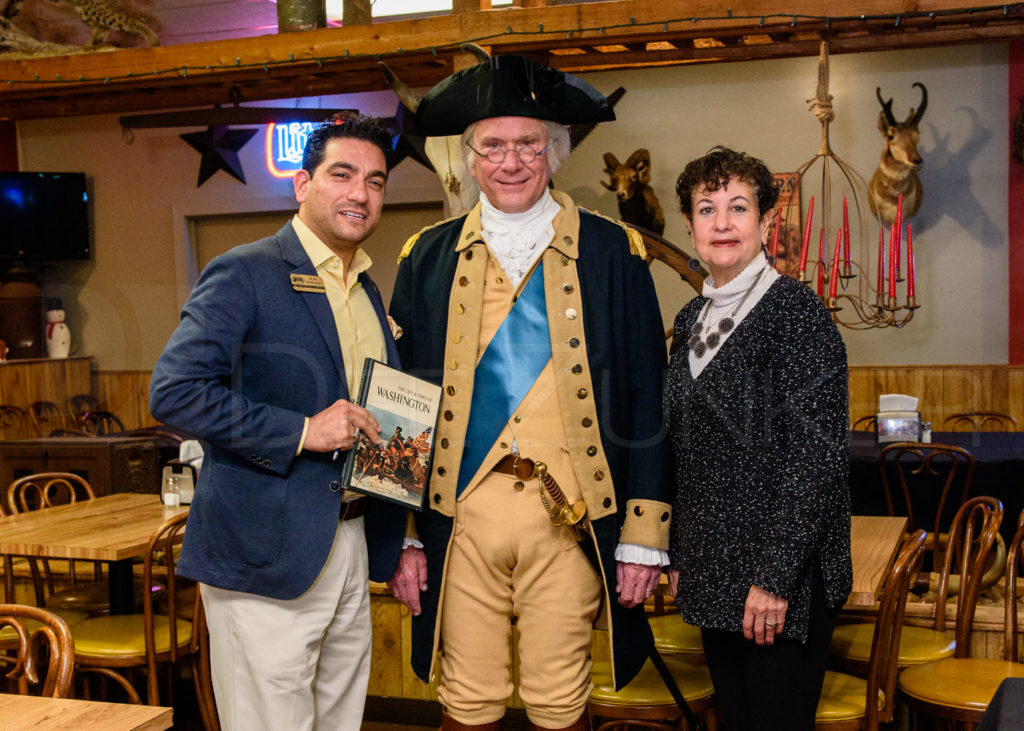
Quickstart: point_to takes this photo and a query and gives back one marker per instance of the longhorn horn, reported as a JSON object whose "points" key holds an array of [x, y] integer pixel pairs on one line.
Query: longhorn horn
{"points": [[480, 54], [915, 117], [886, 107], [404, 92]]}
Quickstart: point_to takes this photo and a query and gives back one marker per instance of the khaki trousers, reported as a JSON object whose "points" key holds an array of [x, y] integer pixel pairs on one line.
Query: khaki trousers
{"points": [[299, 664], [508, 560]]}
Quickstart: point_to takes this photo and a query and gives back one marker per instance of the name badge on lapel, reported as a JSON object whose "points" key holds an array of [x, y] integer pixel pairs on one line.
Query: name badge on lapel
{"points": [[307, 283]]}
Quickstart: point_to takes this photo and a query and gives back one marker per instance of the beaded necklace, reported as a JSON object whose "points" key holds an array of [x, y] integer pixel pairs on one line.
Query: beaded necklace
{"points": [[702, 338]]}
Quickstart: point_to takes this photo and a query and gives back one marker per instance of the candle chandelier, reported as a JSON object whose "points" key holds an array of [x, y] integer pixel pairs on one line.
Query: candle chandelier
{"points": [[843, 275]]}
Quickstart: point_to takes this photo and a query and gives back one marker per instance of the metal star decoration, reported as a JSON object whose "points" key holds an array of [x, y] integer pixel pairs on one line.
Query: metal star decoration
{"points": [[219, 147]]}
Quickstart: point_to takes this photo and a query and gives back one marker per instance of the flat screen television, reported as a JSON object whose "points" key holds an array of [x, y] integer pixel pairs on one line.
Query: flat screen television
{"points": [[43, 217]]}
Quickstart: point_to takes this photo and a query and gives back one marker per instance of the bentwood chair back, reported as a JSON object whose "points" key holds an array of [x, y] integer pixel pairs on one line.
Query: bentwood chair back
{"points": [[960, 688], [864, 423], [854, 703], [980, 421], [35, 634], [106, 645], [15, 424], [77, 407], [101, 422], [46, 417], [38, 492]]}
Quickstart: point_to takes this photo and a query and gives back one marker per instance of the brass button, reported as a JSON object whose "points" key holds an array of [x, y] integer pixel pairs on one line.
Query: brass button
{"points": [[598, 475], [607, 502], [586, 421], [577, 368], [448, 416], [460, 308], [453, 364], [517, 418], [567, 240], [437, 498], [574, 342], [567, 288], [638, 510], [519, 485], [591, 450], [582, 393], [444, 443], [504, 445], [456, 338], [470, 235], [442, 471], [564, 261], [451, 390], [664, 517], [469, 252], [463, 281], [570, 313], [499, 280]]}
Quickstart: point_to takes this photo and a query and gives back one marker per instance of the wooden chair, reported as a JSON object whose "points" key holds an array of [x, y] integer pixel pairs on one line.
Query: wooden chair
{"points": [[961, 687], [865, 423], [851, 703], [46, 417], [101, 422], [980, 421], [15, 424], [972, 536], [45, 490], [646, 702], [201, 675], [77, 407], [107, 645], [29, 630]]}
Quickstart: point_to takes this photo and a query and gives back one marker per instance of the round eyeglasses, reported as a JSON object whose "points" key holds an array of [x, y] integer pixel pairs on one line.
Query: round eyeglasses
{"points": [[524, 152]]}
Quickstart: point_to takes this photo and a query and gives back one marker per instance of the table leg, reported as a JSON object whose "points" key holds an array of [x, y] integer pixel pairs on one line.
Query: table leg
{"points": [[122, 594]]}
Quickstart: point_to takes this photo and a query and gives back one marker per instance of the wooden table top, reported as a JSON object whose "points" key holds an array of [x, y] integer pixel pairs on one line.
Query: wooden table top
{"points": [[23, 712], [109, 528], [874, 542]]}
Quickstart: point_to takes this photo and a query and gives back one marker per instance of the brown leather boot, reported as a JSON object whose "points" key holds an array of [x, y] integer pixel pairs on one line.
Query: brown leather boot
{"points": [[582, 724], [450, 724]]}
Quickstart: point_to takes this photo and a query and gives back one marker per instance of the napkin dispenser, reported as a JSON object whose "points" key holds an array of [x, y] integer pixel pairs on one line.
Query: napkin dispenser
{"points": [[178, 483], [898, 419]]}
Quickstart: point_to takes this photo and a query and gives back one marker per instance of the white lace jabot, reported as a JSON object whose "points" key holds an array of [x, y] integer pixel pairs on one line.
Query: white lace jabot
{"points": [[517, 239]]}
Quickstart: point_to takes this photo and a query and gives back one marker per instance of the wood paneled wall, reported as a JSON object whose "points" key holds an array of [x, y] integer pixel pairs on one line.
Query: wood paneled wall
{"points": [[942, 391]]}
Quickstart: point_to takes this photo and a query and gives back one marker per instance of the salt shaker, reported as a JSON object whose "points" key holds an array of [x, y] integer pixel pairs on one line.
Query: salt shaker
{"points": [[926, 432], [171, 493]]}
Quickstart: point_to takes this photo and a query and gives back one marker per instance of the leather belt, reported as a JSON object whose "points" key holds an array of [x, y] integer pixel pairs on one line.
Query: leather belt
{"points": [[352, 509], [517, 466]]}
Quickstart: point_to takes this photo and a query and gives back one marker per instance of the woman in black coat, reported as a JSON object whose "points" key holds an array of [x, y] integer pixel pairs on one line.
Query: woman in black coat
{"points": [[756, 399]]}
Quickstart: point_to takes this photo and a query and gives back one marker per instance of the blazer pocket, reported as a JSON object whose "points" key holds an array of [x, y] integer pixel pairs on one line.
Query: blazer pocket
{"points": [[246, 510]]}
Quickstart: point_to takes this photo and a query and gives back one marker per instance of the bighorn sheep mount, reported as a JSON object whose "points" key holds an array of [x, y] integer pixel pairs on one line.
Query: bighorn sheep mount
{"points": [[897, 172], [631, 183]]}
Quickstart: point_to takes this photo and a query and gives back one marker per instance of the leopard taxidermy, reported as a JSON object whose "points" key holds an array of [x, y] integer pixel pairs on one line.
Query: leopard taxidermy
{"points": [[104, 16]]}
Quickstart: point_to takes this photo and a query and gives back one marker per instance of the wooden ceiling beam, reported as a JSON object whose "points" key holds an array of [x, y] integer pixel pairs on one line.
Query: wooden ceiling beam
{"points": [[421, 51]]}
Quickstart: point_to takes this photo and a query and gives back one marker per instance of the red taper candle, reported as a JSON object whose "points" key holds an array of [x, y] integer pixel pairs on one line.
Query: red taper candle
{"points": [[821, 262], [910, 263], [834, 281], [899, 233], [846, 235], [892, 261], [807, 238]]}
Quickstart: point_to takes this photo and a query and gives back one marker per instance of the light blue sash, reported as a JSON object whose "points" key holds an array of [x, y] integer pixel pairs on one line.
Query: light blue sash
{"points": [[508, 369]]}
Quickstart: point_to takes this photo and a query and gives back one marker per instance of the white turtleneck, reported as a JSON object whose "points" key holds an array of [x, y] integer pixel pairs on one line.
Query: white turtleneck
{"points": [[723, 300], [518, 239]]}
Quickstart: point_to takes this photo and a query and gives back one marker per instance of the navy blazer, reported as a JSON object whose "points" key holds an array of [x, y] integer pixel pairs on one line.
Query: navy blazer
{"points": [[250, 359]]}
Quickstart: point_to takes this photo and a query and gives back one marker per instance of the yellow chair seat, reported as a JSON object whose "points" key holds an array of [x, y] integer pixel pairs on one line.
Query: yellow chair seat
{"points": [[647, 688], [842, 698], [674, 636], [917, 644], [122, 635], [964, 683]]}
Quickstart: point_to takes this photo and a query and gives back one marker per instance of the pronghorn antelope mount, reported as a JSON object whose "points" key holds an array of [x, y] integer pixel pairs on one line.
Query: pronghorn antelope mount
{"points": [[631, 183], [897, 172]]}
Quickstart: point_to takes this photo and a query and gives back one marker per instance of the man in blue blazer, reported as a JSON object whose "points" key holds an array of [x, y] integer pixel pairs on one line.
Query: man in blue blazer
{"points": [[270, 345]]}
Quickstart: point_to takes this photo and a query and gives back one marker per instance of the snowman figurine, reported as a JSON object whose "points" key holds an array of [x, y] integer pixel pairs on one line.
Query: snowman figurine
{"points": [[58, 337]]}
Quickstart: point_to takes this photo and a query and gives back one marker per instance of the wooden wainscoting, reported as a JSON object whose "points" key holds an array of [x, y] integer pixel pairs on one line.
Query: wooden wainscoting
{"points": [[125, 393]]}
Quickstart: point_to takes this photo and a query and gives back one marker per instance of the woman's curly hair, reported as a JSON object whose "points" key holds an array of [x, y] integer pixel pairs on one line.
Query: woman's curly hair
{"points": [[717, 168]]}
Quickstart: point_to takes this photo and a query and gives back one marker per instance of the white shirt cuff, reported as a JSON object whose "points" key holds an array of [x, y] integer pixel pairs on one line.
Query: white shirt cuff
{"points": [[407, 542], [644, 555]]}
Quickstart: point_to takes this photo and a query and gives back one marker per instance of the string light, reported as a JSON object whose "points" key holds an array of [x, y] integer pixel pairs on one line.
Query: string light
{"points": [[790, 18]]}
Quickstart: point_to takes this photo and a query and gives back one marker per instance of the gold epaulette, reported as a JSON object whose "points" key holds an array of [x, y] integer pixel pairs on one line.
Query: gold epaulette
{"points": [[636, 239], [407, 249]]}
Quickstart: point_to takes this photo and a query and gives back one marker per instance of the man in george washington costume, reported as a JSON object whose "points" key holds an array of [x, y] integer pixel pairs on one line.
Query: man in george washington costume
{"points": [[548, 496]]}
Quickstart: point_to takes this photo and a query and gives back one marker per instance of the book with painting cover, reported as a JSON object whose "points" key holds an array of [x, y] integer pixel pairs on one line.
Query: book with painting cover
{"points": [[406, 407]]}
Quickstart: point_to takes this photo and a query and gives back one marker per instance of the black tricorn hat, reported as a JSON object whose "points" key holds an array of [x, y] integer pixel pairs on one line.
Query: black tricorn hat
{"points": [[509, 86]]}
